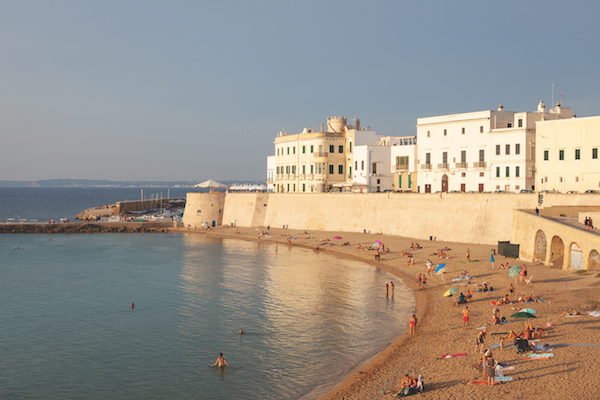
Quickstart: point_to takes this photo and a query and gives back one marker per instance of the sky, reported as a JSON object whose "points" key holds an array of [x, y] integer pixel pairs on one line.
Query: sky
{"points": [[164, 90]]}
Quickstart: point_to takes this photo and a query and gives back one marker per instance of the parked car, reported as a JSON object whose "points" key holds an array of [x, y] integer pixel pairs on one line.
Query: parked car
{"points": [[572, 192], [545, 191], [592, 192], [526, 191]]}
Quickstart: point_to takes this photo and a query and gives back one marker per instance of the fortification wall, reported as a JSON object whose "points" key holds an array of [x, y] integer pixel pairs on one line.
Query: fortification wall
{"points": [[204, 207], [479, 218]]}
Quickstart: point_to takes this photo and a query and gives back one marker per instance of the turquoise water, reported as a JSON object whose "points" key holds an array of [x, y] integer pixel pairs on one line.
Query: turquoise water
{"points": [[68, 330]]}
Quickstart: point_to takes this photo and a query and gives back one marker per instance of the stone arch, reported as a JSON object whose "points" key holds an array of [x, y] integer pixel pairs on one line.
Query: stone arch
{"points": [[557, 252], [576, 256], [594, 261], [541, 245]]}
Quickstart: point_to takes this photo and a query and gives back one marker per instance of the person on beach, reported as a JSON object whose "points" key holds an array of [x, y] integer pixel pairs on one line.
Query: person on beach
{"points": [[387, 289], [424, 282], [490, 366], [523, 274], [377, 256], [466, 314], [392, 286], [492, 259], [221, 362], [468, 255], [480, 340], [419, 281], [511, 290], [413, 325], [429, 267], [511, 336]]}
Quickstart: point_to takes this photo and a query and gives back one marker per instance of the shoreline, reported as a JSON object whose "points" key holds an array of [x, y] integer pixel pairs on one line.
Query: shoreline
{"points": [[439, 330]]}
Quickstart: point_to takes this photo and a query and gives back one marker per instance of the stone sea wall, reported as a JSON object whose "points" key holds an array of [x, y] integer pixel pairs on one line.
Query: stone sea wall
{"points": [[479, 218]]}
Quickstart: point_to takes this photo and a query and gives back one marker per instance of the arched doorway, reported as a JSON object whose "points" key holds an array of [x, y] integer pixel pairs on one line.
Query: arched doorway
{"points": [[594, 261], [576, 256], [541, 244], [445, 183], [557, 252]]}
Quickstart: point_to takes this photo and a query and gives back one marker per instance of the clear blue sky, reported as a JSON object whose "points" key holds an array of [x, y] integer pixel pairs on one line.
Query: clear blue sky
{"points": [[163, 90]]}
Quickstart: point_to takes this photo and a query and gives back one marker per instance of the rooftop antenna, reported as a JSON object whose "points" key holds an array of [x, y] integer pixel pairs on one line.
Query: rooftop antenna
{"points": [[552, 105]]}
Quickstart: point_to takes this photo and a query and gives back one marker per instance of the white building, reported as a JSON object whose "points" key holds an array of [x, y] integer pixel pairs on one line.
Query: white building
{"points": [[404, 163], [270, 173], [567, 154], [480, 151]]}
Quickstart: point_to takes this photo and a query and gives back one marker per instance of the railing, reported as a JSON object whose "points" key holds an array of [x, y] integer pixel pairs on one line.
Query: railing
{"points": [[401, 167], [319, 154], [425, 166], [443, 166], [462, 165], [269, 180], [479, 164]]}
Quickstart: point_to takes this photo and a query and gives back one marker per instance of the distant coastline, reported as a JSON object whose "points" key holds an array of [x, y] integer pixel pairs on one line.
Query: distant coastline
{"points": [[54, 183]]}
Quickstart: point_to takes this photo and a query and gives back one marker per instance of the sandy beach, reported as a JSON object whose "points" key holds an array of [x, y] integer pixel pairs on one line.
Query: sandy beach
{"points": [[571, 372]]}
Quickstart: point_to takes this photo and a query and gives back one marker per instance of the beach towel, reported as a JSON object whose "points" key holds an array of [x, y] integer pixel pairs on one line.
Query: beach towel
{"points": [[594, 313], [466, 262], [498, 379], [452, 355], [542, 355], [573, 316], [536, 358], [481, 328]]}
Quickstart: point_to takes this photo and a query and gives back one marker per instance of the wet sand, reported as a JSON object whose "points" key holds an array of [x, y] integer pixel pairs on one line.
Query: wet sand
{"points": [[571, 373]]}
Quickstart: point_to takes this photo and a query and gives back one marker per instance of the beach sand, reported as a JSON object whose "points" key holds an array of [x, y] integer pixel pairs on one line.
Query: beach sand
{"points": [[571, 373]]}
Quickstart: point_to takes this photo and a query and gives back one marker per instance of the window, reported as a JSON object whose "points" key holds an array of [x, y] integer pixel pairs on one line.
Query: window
{"points": [[356, 165], [546, 155], [507, 152], [497, 172], [481, 129], [428, 133], [445, 157], [312, 169], [331, 169], [497, 149], [402, 162], [288, 150], [294, 187], [507, 172], [578, 154], [399, 181], [561, 155], [362, 165], [277, 151], [409, 181], [287, 169], [463, 175], [350, 171], [312, 148], [341, 169], [576, 179], [445, 132], [509, 125], [288, 187], [463, 156], [481, 174], [341, 149], [350, 147], [517, 172], [481, 155], [277, 170], [427, 158], [463, 131], [374, 168], [304, 187], [595, 153], [520, 123], [331, 148], [303, 169], [303, 149], [293, 169], [518, 148], [294, 150]]}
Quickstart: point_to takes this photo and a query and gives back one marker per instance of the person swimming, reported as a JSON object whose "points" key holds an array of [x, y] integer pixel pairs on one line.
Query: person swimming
{"points": [[221, 362]]}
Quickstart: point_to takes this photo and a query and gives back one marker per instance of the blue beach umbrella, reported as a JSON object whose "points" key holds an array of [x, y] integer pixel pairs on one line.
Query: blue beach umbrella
{"points": [[440, 269]]}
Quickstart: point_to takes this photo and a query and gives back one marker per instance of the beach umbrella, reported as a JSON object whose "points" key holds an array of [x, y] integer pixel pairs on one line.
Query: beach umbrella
{"points": [[441, 270], [377, 243], [210, 184], [528, 310], [337, 237], [523, 315], [514, 272], [450, 292]]}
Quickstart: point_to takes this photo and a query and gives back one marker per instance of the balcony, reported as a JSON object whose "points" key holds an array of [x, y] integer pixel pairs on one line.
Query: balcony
{"points": [[462, 165], [319, 154], [401, 167], [480, 164], [426, 166], [443, 166]]}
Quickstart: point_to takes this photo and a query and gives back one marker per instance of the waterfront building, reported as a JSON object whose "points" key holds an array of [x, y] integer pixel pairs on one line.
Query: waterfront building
{"points": [[491, 150], [404, 163], [270, 174], [316, 161], [567, 154]]}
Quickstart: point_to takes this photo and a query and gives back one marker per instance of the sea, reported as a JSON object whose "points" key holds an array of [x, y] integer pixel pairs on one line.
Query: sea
{"points": [[68, 330]]}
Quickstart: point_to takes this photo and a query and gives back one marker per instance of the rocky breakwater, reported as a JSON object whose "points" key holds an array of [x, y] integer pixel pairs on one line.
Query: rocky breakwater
{"points": [[83, 227]]}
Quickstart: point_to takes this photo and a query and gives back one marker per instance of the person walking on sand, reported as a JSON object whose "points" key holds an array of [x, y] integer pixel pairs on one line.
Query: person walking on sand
{"points": [[480, 340], [490, 366], [221, 362], [424, 282], [492, 259], [377, 256], [387, 289], [413, 325], [419, 280], [468, 255], [392, 285], [466, 314], [429, 267]]}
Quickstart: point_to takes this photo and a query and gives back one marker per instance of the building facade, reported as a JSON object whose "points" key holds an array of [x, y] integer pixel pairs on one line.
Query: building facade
{"points": [[403, 153], [484, 151], [567, 154]]}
